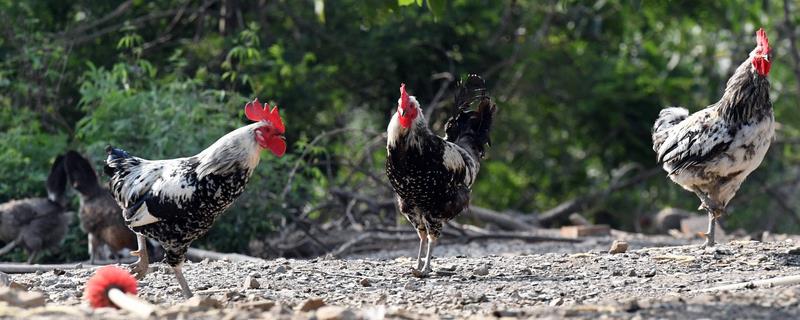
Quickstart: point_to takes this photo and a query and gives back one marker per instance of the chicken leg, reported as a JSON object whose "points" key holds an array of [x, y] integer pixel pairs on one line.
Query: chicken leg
{"points": [[423, 235], [140, 267], [13, 244], [32, 257], [714, 212], [187, 293], [427, 268]]}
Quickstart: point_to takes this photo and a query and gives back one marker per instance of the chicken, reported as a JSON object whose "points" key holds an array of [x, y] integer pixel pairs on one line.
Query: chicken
{"points": [[712, 151], [176, 201], [100, 215], [37, 224], [433, 176]]}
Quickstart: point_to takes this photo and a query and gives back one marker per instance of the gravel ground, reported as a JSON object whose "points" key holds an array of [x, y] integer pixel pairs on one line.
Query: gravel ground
{"points": [[659, 277]]}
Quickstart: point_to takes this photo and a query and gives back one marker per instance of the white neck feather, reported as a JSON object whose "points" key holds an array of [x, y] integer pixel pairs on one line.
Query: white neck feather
{"points": [[237, 148], [395, 131]]}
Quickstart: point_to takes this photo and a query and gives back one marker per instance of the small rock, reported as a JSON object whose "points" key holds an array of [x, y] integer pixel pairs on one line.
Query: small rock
{"points": [[58, 272], [795, 250], [556, 302], [618, 246], [311, 304], [279, 269], [411, 285], [364, 282], [23, 299], [250, 283], [4, 279], [632, 273], [202, 302], [631, 305], [335, 313], [264, 305], [482, 270]]}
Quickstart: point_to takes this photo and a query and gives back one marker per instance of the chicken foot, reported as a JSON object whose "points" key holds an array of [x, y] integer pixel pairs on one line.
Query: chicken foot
{"points": [[141, 266]]}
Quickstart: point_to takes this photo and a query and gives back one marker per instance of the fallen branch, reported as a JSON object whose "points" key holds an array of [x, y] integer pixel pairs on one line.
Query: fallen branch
{"points": [[30, 268], [566, 208], [200, 254], [779, 281], [504, 221]]}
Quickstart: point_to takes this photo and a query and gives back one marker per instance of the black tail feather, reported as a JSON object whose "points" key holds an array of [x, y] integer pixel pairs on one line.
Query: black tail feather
{"points": [[471, 128], [57, 182]]}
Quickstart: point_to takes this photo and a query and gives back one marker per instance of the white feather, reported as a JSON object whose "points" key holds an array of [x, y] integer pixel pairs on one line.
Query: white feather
{"points": [[141, 217]]}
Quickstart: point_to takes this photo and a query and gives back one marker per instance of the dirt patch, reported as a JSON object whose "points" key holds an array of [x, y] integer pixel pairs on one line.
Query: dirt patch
{"points": [[654, 278]]}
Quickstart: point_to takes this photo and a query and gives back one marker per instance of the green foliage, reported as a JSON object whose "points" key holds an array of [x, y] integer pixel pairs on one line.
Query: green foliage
{"points": [[578, 85]]}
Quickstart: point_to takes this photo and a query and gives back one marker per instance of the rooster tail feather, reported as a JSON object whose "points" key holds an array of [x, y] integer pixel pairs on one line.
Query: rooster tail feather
{"points": [[667, 118], [57, 182], [470, 128]]}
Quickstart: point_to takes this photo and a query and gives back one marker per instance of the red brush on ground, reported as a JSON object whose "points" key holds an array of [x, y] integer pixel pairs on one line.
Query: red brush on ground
{"points": [[115, 287]]}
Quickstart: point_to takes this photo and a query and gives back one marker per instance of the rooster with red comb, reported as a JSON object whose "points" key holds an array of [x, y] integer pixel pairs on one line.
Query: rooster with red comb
{"points": [[712, 151], [176, 201], [433, 176]]}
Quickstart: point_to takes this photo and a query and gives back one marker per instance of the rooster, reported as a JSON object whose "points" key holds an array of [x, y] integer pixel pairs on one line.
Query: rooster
{"points": [[100, 216], [37, 224], [433, 176], [712, 151], [176, 201]]}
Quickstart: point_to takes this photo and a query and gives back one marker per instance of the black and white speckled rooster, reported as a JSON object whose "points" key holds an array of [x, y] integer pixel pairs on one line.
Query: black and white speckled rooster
{"points": [[176, 201], [712, 151], [433, 176]]}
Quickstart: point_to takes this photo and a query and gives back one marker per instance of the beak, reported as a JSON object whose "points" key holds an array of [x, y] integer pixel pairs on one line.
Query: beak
{"points": [[766, 57], [402, 112]]}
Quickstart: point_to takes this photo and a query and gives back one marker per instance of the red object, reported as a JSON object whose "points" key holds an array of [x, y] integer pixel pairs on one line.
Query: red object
{"points": [[255, 111], [407, 111], [104, 279], [761, 60], [269, 137]]}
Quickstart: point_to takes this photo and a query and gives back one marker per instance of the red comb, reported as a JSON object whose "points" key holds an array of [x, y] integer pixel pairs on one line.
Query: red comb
{"points": [[255, 111], [104, 279], [762, 41], [403, 96]]}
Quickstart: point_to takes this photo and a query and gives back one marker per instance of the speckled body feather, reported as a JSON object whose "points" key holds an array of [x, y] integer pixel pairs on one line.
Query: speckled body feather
{"points": [[177, 201], [712, 151], [431, 175]]}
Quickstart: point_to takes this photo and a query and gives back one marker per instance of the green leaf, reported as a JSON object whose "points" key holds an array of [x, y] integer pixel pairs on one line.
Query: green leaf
{"points": [[404, 3], [437, 7]]}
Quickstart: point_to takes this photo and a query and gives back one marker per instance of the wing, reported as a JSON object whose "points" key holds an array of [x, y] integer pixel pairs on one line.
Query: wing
{"points": [[150, 184], [458, 160], [697, 139]]}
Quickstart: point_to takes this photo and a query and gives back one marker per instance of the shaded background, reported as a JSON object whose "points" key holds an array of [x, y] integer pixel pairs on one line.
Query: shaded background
{"points": [[578, 83]]}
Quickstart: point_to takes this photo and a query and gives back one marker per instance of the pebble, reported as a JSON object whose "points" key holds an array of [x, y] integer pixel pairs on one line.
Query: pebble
{"points": [[335, 313], [364, 282], [482, 270], [311, 304], [618, 246], [250, 283]]}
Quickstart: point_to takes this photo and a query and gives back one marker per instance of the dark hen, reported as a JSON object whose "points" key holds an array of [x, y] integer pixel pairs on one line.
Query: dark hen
{"points": [[100, 215], [37, 224]]}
